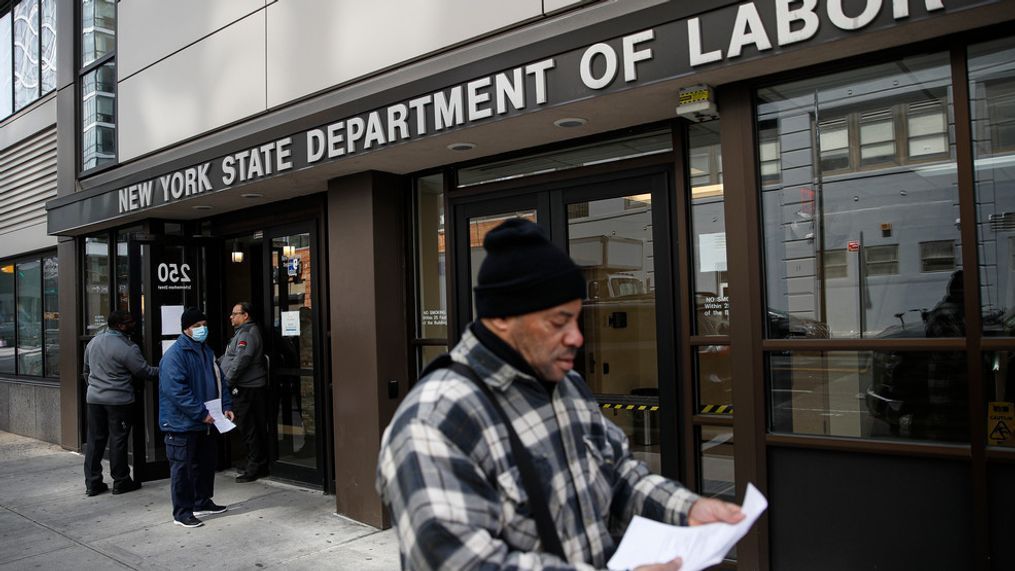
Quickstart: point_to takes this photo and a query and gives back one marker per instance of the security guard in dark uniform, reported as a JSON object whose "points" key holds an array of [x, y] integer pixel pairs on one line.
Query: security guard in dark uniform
{"points": [[244, 367]]}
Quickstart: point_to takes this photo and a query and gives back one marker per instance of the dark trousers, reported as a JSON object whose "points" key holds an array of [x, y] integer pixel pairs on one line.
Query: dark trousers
{"points": [[107, 423], [251, 408], [192, 458]]}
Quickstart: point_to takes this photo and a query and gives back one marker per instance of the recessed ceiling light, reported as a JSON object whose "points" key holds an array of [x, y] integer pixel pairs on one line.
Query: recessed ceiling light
{"points": [[201, 207], [252, 195], [461, 146], [569, 122]]}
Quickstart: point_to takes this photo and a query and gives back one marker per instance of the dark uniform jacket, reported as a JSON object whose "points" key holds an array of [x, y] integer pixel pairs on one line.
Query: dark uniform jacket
{"points": [[243, 361]]}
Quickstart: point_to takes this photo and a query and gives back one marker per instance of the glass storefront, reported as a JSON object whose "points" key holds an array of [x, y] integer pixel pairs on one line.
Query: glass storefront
{"points": [[29, 317], [861, 221]]}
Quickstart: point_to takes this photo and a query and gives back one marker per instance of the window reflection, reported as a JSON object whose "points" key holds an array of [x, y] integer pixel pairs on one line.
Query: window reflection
{"points": [[479, 226], [98, 116], [26, 53], [6, 63], [708, 221], [51, 315], [611, 240], [861, 222], [29, 294], [97, 296], [7, 311], [431, 262], [920, 395], [992, 107], [715, 380]]}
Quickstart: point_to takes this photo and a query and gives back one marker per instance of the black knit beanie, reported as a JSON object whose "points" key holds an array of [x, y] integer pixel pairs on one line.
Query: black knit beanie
{"points": [[524, 272], [191, 316]]}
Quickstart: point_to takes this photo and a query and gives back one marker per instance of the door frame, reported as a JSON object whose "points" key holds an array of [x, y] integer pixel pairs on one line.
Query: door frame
{"points": [[142, 270], [322, 418], [549, 196]]}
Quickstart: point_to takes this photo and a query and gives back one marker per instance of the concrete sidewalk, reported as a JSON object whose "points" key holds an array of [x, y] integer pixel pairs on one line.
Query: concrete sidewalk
{"points": [[47, 522]]}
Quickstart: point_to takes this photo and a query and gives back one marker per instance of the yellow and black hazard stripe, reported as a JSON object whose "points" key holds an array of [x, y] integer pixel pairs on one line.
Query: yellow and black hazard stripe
{"points": [[716, 409], [637, 407]]}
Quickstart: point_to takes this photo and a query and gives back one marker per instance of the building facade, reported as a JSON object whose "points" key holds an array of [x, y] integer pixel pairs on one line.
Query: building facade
{"points": [[792, 215]]}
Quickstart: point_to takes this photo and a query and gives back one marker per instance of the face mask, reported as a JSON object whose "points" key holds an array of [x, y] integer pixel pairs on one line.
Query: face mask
{"points": [[199, 334]]}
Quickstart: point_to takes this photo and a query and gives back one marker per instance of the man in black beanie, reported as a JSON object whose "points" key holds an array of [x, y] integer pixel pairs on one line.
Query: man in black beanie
{"points": [[462, 493]]}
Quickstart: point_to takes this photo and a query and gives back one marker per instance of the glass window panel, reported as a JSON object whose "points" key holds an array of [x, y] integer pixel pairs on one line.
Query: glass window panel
{"points": [[614, 248], [98, 29], [999, 392], [992, 107], [715, 449], [585, 155], [478, 228], [428, 353], [6, 65], [879, 216], [48, 27], [769, 152], [26, 53], [97, 298], [876, 127], [122, 271], [8, 309], [921, 124], [708, 224], [51, 315], [937, 256], [930, 145], [882, 260], [870, 394], [715, 380], [98, 117], [836, 264], [431, 261], [29, 298]]}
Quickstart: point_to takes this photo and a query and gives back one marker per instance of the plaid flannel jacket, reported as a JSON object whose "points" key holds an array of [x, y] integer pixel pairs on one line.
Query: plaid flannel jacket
{"points": [[457, 499]]}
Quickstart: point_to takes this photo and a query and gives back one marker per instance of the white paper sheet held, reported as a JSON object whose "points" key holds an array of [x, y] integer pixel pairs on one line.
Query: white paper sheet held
{"points": [[647, 542], [222, 423]]}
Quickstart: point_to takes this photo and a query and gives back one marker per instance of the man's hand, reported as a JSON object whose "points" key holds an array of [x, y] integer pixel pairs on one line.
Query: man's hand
{"points": [[229, 414], [668, 566], [709, 510], [209, 420]]}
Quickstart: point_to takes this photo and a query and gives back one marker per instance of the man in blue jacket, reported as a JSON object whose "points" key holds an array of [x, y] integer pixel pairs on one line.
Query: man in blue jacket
{"points": [[188, 378]]}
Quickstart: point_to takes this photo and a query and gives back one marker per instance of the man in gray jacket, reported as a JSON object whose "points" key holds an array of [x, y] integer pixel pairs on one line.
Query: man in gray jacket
{"points": [[243, 364], [112, 362]]}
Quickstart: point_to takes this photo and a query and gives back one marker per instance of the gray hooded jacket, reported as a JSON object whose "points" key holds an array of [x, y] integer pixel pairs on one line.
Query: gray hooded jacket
{"points": [[243, 361], [111, 361]]}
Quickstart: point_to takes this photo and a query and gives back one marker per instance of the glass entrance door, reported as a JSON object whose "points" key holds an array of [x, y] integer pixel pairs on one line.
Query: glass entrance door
{"points": [[175, 276], [293, 352], [610, 229]]}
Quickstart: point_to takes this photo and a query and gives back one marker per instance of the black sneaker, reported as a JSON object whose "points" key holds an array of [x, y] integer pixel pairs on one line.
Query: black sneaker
{"points": [[100, 489], [210, 509], [244, 478], [189, 522], [130, 486]]}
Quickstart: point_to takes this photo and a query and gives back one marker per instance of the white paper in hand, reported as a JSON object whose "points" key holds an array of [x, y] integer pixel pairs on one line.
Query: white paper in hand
{"points": [[647, 542], [222, 423]]}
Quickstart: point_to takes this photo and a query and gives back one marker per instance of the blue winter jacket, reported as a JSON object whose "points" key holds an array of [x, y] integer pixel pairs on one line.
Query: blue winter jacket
{"points": [[186, 382]]}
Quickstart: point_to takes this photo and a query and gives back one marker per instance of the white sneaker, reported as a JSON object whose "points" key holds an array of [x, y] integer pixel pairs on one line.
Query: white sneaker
{"points": [[189, 522], [211, 509]]}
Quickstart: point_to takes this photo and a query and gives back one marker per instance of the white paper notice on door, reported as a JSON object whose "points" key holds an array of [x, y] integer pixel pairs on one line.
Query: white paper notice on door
{"points": [[171, 315], [290, 324], [712, 252]]}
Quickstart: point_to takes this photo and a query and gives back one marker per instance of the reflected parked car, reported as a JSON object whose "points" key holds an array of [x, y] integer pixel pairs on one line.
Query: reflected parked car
{"points": [[923, 394]]}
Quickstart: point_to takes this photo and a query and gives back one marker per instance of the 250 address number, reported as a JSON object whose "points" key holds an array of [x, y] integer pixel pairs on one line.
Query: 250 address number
{"points": [[174, 273]]}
